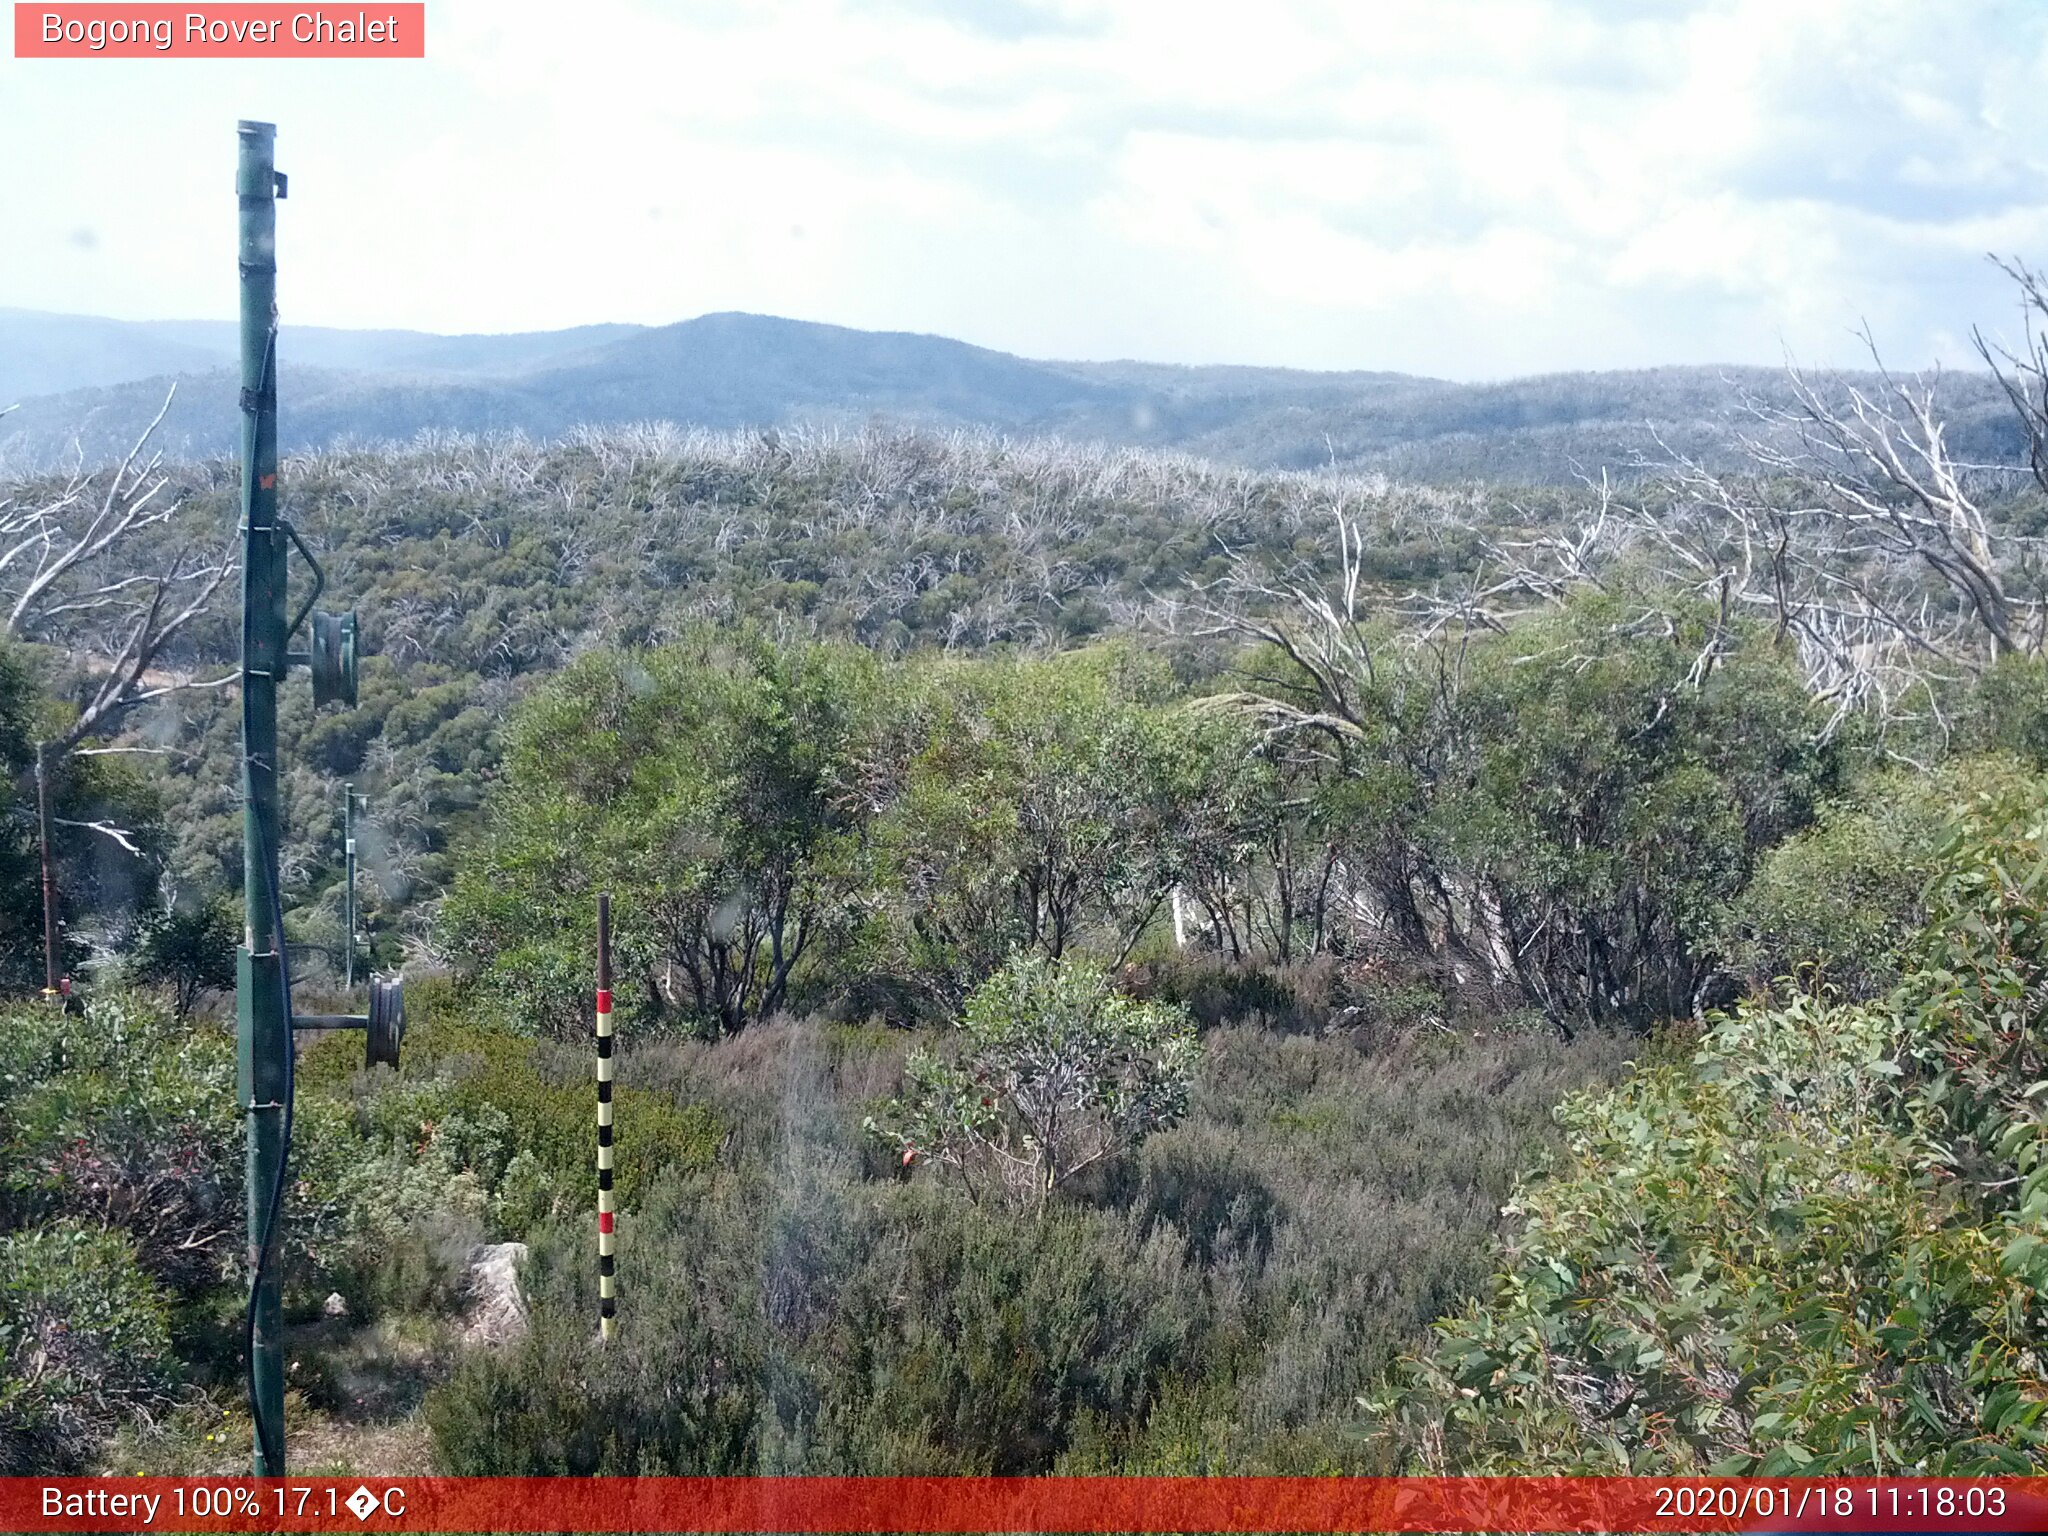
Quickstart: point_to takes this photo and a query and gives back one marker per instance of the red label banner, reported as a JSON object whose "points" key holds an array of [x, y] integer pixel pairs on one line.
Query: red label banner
{"points": [[971, 1504], [240, 31]]}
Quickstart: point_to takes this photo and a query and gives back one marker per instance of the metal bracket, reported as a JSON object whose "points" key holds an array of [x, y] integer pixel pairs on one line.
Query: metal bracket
{"points": [[319, 578], [383, 1025]]}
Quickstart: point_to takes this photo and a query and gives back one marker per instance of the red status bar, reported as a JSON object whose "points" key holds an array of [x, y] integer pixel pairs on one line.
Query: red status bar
{"points": [[972, 1504]]}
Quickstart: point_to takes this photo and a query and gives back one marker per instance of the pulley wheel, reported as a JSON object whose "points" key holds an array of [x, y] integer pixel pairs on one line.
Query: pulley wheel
{"points": [[387, 1023], [334, 659]]}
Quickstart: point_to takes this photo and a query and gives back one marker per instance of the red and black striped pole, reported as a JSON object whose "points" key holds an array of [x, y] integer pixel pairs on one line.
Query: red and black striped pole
{"points": [[607, 1293]]}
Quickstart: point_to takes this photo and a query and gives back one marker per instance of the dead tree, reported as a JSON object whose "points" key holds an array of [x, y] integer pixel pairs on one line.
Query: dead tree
{"points": [[67, 559], [1856, 538], [2024, 375]]}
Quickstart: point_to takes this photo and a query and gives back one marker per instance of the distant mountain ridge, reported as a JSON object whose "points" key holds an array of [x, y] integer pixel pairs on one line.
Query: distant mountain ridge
{"points": [[46, 354], [87, 385]]}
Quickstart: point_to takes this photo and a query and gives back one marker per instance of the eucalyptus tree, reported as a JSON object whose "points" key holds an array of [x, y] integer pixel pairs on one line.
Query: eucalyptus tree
{"points": [[703, 784], [1027, 805]]}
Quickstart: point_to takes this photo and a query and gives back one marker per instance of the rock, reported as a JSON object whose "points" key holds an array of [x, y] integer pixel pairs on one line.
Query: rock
{"points": [[497, 1307], [334, 1305]]}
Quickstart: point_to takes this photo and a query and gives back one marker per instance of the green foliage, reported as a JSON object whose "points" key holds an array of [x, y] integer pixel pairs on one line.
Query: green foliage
{"points": [[482, 1133], [1618, 803], [1213, 1301], [1258, 835], [1816, 1250], [827, 1327], [1976, 1080], [125, 1118], [1026, 805], [1215, 990], [84, 1345], [188, 947], [552, 1124], [782, 822], [1830, 1217], [702, 785], [1837, 906], [479, 568], [1052, 1072], [673, 1393], [2007, 712]]}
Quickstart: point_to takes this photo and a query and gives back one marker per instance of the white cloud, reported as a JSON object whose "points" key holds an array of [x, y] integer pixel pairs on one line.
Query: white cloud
{"points": [[1462, 187]]}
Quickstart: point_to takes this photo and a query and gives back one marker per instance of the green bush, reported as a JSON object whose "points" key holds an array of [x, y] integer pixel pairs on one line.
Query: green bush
{"points": [[96, 882], [480, 1135], [504, 1126], [1052, 1072], [189, 949], [2007, 712], [124, 1117], [1818, 1249], [84, 1341], [1836, 907], [702, 784], [827, 1327], [553, 1124], [1004, 1334], [1216, 990], [1021, 805], [1214, 1300]]}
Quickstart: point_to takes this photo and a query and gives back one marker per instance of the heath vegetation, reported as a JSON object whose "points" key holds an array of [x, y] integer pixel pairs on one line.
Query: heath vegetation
{"points": [[1122, 964]]}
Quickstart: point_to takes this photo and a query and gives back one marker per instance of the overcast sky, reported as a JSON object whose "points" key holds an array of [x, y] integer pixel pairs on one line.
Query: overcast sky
{"points": [[1468, 188]]}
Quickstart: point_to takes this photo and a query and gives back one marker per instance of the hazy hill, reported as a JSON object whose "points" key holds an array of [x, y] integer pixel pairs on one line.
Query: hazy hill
{"points": [[93, 383], [45, 354]]}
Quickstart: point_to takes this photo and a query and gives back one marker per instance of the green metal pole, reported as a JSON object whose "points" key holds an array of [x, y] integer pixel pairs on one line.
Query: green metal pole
{"points": [[348, 899], [263, 1033]]}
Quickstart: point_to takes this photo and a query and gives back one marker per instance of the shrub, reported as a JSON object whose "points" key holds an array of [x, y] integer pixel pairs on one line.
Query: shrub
{"points": [[1006, 1334], [85, 1344], [1215, 990], [553, 1125], [1615, 807], [124, 1117], [1213, 1300], [2007, 712], [1818, 1249], [1837, 906], [482, 1133], [1020, 805], [703, 784], [189, 948], [822, 1326], [1053, 1072]]}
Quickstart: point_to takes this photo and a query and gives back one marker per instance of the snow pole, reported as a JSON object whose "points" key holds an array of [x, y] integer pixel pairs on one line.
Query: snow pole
{"points": [[607, 1282]]}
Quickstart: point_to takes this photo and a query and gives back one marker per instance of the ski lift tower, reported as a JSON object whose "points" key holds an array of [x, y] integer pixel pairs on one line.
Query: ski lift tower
{"points": [[264, 1017]]}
